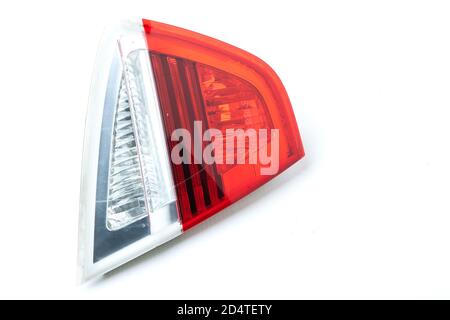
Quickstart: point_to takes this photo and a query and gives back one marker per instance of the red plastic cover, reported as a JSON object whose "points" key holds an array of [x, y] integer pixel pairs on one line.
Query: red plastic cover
{"points": [[219, 94]]}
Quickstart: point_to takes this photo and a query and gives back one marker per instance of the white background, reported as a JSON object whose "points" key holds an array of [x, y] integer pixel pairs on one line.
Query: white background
{"points": [[366, 214]]}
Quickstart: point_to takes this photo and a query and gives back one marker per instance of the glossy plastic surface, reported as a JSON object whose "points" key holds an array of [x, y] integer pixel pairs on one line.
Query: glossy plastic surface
{"points": [[202, 79]]}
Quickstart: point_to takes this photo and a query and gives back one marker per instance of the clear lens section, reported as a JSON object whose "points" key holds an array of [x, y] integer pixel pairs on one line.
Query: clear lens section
{"points": [[137, 183], [145, 120], [150, 141], [126, 201]]}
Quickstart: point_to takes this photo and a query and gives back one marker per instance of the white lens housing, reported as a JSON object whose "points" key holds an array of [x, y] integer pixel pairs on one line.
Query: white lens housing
{"points": [[126, 185]]}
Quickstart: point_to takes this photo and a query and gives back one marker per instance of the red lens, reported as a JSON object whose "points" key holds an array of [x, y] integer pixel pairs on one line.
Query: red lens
{"points": [[202, 79], [231, 103]]}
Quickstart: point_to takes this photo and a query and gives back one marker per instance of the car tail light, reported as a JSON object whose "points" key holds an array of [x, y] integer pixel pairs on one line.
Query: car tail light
{"points": [[179, 127]]}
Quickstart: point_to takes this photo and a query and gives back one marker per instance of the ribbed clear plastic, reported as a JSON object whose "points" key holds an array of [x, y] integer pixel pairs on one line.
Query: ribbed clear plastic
{"points": [[151, 150], [126, 195]]}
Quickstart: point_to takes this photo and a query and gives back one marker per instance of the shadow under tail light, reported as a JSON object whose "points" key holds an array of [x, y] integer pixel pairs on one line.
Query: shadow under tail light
{"points": [[179, 126]]}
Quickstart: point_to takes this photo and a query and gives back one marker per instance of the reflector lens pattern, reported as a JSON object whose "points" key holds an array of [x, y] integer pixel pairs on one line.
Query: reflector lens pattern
{"points": [[201, 79], [231, 103], [126, 201], [198, 186], [190, 92]]}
